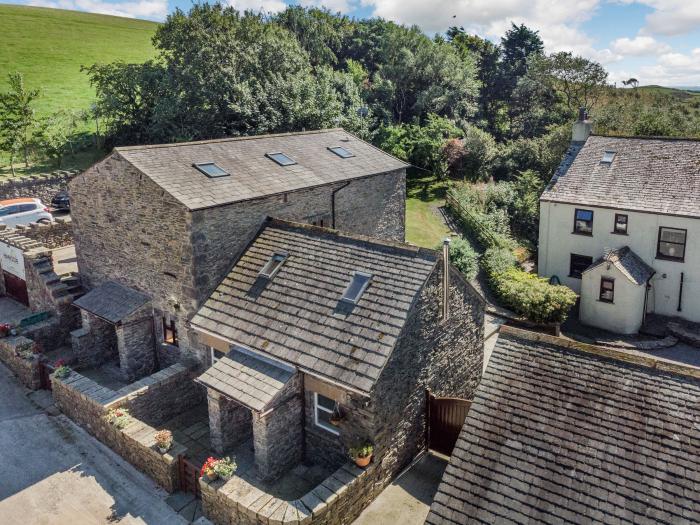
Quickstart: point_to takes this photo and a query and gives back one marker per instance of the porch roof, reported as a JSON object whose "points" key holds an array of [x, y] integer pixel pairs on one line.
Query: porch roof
{"points": [[112, 301], [246, 379], [629, 263]]}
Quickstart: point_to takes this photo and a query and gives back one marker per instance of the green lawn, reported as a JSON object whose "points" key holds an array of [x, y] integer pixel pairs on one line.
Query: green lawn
{"points": [[49, 45], [424, 227]]}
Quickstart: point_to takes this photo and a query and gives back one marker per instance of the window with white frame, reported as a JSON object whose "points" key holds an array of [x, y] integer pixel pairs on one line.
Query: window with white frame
{"points": [[323, 409], [215, 354]]}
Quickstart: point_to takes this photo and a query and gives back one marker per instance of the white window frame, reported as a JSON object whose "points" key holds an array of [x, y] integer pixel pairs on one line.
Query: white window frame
{"points": [[212, 355], [321, 424]]}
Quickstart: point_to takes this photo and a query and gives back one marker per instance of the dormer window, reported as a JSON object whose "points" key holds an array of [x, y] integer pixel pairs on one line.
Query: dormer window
{"points": [[359, 283], [281, 158], [608, 157], [273, 265], [211, 170], [341, 152]]}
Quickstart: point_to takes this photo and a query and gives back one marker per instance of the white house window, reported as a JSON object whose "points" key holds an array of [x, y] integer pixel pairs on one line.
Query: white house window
{"points": [[583, 222], [323, 409], [607, 289], [671, 244]]}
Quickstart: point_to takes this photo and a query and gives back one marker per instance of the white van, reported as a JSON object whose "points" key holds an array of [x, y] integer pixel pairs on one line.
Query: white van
{"points": [[14, 212]]}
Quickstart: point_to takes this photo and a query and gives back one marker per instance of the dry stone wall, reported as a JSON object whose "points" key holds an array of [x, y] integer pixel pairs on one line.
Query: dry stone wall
{"points": [[43, 186], [26, 370]]}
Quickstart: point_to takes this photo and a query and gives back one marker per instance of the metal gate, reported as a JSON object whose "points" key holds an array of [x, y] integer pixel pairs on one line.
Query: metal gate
{"points": [[189, 476], [16, 288], [446, 417]]}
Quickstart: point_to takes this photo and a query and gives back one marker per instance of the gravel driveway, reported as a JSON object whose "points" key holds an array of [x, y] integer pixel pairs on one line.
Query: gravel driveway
{"points": [[53, 472]]}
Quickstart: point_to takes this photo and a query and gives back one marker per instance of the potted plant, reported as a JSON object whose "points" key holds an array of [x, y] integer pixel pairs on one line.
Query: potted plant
{"points": [[336, 415], [362, 454], [164, 440], [61, 370], [225, 468], [25, 351], [118, 417], [5, 329], [208, 471]]}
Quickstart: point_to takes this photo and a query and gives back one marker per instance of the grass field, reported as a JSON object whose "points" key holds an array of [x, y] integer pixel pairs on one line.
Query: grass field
{"points": [[49, 45], [423, 226]]}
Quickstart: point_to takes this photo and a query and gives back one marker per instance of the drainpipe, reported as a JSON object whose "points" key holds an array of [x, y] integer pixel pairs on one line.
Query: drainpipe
{"points": [[680, 295], [446, 279], [333, 202], [646, 298]]}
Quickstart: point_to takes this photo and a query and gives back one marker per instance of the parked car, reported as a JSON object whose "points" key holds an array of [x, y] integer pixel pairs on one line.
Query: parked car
{"points": [[14, 212], [61, 201]]}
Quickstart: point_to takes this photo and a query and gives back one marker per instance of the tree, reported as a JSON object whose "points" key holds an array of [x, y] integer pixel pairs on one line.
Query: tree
{"points": [[472, 157], [52, 136], [17, 117], [633, 82]]}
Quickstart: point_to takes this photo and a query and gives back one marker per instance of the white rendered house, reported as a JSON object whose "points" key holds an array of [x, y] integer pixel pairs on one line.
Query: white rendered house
{"points": [[620, 225]]}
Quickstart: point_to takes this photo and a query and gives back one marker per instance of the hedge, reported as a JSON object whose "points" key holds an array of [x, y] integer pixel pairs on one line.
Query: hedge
{"points": [[464, 257]]}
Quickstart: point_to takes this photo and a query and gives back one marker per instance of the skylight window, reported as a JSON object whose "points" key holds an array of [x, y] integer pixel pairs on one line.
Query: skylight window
{"points": [[356, 288], [211, 170], [273, 265], [608, 157], [280, 158], [341, 152]]}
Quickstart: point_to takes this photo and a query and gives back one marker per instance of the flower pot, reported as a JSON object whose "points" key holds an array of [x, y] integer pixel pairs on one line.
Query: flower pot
{"points": [[211, 475], [335, 421], [163, 450], [363, 462]]}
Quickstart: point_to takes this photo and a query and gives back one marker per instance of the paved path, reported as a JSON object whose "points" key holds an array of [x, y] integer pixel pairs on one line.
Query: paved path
{"points": [[53, 473], [407, 500]]}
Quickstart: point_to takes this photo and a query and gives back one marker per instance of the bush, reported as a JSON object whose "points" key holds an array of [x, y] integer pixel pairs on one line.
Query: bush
{"points": [[463, 256], [533, 297], [496, 261], [471, 158]]}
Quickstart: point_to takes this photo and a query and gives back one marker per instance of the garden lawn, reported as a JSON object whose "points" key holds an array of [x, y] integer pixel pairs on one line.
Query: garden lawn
{"points": [[424, 226]]}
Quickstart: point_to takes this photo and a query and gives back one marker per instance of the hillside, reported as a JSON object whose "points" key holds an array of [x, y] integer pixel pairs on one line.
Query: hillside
{"points": [[50, 45]]}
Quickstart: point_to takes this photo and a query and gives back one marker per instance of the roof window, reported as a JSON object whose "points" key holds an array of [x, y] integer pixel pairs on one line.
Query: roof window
{"points": [[341, 152], [281, 158], [273, 265], [608, 157], [211, 170], [359, 283]]}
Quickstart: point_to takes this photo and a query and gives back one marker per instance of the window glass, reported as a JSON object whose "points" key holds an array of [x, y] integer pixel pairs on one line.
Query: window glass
{"points": [[169, 331], [671, 243], [273, 265], [281, 159], [27, 207], [11, 210], [583, 221], [620, 223], [4, 211], [211, 170], [578, 264], [215, 354], [323, 409], [341, 152], [607, 289], [357, 286]]}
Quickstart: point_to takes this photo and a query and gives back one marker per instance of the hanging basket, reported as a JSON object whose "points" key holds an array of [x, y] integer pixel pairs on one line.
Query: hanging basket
{"points": [[336, 416]]}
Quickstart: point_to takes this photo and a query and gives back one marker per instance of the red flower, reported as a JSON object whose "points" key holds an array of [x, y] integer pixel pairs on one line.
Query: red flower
{"points": [[208, 465], [59, 363]]}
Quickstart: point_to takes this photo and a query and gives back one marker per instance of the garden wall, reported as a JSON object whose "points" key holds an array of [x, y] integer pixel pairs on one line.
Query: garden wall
{"points": [[43, 186], [26, 370], [87, 403], [338, 500], [55, 235]]}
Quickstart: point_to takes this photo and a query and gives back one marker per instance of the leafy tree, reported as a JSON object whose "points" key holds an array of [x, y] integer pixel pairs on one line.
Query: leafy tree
{"points": [[52, 136], [472, 157], [464, 257], [17, 117]]}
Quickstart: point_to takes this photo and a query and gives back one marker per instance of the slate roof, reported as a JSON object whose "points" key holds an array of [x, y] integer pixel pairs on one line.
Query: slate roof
{"points": [[629, 264], [112, 301], [244, 378], [298, 317], [252, 174], [647, 174], [556, 435]]}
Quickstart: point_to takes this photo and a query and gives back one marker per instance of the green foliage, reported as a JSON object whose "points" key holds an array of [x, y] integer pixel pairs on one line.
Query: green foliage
{"points": [[532, 296], [464, 257], [17, 118], [361, 450], [496, 261], [471, 158]]}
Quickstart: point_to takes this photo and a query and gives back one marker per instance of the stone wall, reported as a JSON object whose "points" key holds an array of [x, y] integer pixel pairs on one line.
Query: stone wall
{"points": [[54, 235], [26, 370], [95, 342], [136, 344], [87, 403], [43, 186], [230, 423], [338, 500]]}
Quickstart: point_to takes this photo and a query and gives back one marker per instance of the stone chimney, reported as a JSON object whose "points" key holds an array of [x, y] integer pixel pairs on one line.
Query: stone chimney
{"points": [[582, 127], [446, 279]]}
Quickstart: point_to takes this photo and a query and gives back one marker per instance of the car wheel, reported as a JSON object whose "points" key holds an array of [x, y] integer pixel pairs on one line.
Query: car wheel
{"points": [[44, 221]]}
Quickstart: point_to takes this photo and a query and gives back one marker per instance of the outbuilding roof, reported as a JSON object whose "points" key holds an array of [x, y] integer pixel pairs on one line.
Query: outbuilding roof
{"points": [[249, 380], [563, 435], [629, 263], [112, 301], [657, 175], [244, 168], [298, 316]]}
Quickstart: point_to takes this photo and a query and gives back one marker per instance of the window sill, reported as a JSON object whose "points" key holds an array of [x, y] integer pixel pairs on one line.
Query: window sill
{"points": [[326, 431], [619, 233], [606, 302], [579, 277], [672, 259], [582, 233]]}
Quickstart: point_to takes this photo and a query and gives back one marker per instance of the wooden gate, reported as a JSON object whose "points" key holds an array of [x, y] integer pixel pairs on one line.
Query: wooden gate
{"points": [[16, 288], [189, 476], [45, 371], [446, 417]]}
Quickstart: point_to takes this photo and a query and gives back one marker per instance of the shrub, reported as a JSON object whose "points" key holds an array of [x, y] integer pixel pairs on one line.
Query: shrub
{"points": [[464, 257], [225, 468], [361, 451], [61, 371], [496, 261], [533, 297], [118, 417], [164, 439]]}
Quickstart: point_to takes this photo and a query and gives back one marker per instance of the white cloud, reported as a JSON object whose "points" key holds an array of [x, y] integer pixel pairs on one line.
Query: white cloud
{"points": [[151, 9], [639, 46], [673, 69]]}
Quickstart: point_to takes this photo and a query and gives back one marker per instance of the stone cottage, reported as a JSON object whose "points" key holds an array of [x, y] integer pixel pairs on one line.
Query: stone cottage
{"points": [[167, 221], [320, 340]]}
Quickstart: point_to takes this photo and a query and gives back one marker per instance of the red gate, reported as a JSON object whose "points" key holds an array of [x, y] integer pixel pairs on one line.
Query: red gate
{"points": [[446, 417], [189, 476], [16, 288]]}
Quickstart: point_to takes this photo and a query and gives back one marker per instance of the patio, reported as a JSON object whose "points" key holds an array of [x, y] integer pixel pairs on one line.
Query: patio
{"points": [[191, 429]]}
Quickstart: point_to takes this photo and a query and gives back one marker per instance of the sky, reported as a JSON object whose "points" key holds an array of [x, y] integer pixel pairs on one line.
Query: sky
{"points": [[654, 41]]}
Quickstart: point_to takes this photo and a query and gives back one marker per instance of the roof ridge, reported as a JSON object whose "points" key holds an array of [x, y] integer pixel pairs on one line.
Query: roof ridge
{"points": [[402, 246], [651, 362], [227, 139], [646, 137]]}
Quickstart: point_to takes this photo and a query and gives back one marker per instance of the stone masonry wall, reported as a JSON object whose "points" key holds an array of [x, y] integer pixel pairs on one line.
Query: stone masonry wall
{"points": [[229, 422], [128, 229], [43, 186], [54, 235], [95, 342], [136, 344], [26, 370]]}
